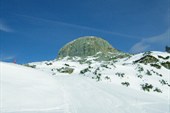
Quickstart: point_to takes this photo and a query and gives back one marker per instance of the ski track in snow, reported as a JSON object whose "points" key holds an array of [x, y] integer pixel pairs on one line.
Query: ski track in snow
{"points": [[112, 101], [69, 107]]}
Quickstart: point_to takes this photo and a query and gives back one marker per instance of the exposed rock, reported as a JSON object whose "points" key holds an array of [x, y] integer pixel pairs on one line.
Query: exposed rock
{"points": [[87, 46], [147, 59], [164, 58], [28, 65], [166, 65], [156, 66], [65, 70]]}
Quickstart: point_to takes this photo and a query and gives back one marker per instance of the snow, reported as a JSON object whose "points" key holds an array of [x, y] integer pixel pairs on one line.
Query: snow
{"points": [[153, 53], [125, 66], [27, 90]]}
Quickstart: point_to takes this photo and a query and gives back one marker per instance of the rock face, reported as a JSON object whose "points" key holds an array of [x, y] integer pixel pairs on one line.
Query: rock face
{"points": [[147, 59], [86, 46]]}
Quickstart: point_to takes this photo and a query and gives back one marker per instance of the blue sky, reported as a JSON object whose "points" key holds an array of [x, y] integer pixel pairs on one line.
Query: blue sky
{"points": [[35, 30]]}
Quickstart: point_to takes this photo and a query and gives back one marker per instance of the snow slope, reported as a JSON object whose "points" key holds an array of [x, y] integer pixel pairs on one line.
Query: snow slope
{"points": [[26, 90], [117, 72]]}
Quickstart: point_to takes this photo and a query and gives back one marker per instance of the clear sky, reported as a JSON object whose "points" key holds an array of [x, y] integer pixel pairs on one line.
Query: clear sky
{"points": [[35, 30]]}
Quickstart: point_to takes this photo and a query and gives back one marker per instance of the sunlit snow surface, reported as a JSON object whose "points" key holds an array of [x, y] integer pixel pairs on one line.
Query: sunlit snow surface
{"points": [[27, 90]]}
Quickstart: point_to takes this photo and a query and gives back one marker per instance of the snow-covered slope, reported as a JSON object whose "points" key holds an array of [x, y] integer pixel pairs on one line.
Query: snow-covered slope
{"points": [[144, 72], [24, 90], [56, 88]]}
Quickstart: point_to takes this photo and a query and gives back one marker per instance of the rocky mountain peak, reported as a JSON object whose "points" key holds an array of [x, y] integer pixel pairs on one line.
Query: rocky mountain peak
{"points": [[86, 46]]}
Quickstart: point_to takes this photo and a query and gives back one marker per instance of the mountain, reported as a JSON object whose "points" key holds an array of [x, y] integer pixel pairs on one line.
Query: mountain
{"points": [[88, 76], [89, 46]]}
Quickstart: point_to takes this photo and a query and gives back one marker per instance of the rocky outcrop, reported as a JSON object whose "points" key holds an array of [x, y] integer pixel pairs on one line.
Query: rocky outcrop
{"points": [[166, 64], [87, 46], [147, 59]]}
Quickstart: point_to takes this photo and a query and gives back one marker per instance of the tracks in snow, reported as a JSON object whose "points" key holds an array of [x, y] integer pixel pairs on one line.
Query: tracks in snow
{"points": [[86, 96]]}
